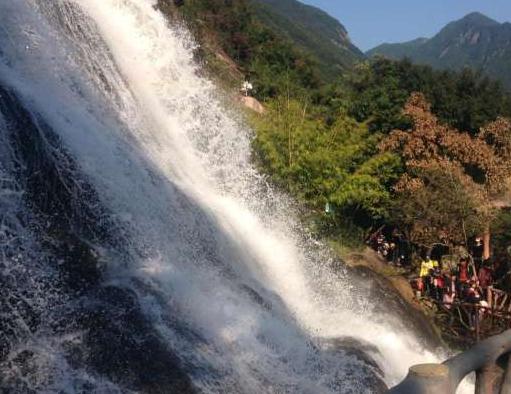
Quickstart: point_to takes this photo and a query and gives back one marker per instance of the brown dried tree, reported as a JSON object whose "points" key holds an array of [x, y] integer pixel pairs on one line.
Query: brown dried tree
{"points": [[451, 178]]}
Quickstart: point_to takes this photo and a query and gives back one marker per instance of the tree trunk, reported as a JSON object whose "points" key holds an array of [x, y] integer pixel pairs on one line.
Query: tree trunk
{"points": [[486, 244]]}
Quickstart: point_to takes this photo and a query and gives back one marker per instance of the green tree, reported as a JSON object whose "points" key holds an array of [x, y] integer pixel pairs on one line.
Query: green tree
{"points": [[465, 100], [337, 165]]}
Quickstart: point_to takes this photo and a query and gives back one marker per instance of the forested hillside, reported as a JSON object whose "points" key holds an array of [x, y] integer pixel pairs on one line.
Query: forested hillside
{"points": [[340, 148], [474, 41], [313, 31], [236, 44], [353, 149]]}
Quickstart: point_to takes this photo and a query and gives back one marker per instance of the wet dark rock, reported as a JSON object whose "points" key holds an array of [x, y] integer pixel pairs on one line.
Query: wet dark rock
{"points": [[256, 297], [368, 373], [9, 300], [61, 200], [357, 348], [118, 341], [390, 303], [122, 345]]}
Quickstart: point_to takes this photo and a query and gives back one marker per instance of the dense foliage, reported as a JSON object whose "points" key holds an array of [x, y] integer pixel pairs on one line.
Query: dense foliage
{"points": [[501, 234], [451, 178], [337, 165], [465, 100], [271, 62], [313, 31], [375, 152]]}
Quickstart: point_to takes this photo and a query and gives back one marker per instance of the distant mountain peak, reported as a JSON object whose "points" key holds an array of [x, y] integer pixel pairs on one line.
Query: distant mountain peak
{"points": [[479, 19], [473, 41]]}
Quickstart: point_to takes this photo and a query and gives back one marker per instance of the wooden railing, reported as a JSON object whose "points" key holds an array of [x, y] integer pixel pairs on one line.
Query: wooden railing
{"points": [[489, 359], [465, 323], [471, 321]]}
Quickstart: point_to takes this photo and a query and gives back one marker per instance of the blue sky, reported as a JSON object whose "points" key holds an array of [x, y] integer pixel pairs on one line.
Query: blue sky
{"points": [[372, 22]]}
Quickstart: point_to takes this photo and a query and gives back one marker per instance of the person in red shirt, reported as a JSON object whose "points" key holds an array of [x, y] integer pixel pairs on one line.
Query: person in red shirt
{"points": [[438, 285], [486, 277], [464, 274], [463, 271]]}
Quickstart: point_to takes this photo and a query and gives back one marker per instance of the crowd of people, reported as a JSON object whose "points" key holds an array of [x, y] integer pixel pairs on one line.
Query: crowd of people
{"points": [[471, 284], [474, 292], [464, 283], [469, 280], [393, 247]]}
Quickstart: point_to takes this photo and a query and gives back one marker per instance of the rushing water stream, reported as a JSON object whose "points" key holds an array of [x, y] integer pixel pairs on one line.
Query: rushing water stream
{"points": [[140, 249]]}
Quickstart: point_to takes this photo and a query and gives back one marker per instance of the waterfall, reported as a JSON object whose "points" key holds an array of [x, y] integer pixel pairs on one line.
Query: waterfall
{"points": [[190, 249]]}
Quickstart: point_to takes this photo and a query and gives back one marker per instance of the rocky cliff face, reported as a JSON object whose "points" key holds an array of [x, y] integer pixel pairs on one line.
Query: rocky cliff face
{"points": [[56, 296]]}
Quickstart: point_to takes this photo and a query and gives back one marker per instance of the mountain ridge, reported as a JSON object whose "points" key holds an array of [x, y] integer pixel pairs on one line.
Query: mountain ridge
{"points": [[313, 30], [474, 41]]}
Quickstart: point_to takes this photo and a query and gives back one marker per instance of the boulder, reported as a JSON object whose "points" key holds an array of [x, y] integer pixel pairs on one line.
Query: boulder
{"points": [[253, 104]]}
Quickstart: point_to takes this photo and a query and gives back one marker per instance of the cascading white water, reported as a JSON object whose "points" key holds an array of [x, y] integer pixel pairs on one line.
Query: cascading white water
{"points": [[208, 238]]}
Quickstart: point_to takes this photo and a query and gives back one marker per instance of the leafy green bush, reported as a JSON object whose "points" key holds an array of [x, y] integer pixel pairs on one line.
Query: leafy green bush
{"points": [[336, 165]]}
